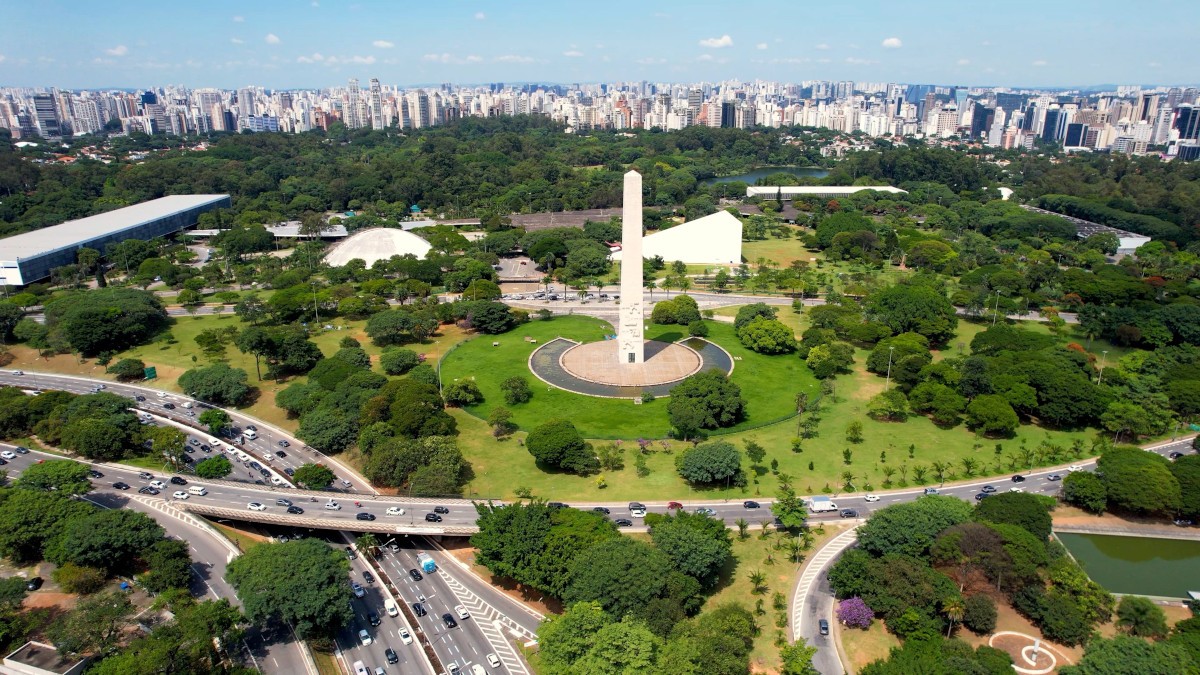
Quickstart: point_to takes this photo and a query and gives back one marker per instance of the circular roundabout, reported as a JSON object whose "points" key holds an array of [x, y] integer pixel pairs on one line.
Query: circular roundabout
{"points": [[593, 368]]}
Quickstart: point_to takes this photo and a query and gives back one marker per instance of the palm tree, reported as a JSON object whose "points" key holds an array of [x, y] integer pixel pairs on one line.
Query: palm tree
{"points": [[919, 472], [848, 480], [785, 480], [684, 283], [759, 581], [807, 538], [888, 472], [939, 469], [367, 542], [953, 609], [968, 466], [743, 527], [795, 551]]}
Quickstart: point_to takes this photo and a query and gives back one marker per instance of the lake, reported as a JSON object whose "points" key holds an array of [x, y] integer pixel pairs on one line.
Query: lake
{"points": [[751, 177], [1137, 565]]}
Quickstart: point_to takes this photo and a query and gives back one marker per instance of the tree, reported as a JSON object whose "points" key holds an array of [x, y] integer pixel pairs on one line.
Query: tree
{"points": [[516, 390], [992, 415], [1141, 617], [217, 384], [557, 444], [389, 327], [855, 613], [698, 546], [1139, 481], [565, 638], [214, 467], [110, 539], [314, 476], [755, 452], [462, 394], [710, 463], [79, 579], [708, 400], [797, 659], [1026, 510], [911, 528], [500, 419], [891, 405], [127, 370], [828, 360], [979, 614], [1127, 419], [789, 508], [917, 308], [94, 625], [105, 319], [1186, 470], [327, 429], [767, 336], [29, 519], [623, 575], [1124, 654], [302, 583], [251, 308], [396, 361], [216, 419], [62, 475], [748, 313], [170, 566], [854, 432], [1085, 490], [490, 317]]}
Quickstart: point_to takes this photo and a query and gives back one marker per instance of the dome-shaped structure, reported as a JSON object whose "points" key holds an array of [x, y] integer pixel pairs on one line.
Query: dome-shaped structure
{"points": [[378, 243]]}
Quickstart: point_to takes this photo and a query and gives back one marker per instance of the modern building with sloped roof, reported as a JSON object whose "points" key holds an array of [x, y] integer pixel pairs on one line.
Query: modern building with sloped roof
{"points": [[715, 239]]}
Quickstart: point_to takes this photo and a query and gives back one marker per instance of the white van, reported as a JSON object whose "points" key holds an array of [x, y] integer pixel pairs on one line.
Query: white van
{"points": [[186, 404], [197, 490], [389, 605], [360, 668], [250, 433]]}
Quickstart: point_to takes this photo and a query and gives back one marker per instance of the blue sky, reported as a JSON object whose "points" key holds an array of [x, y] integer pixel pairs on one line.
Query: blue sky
{"points": [[306, 43]]}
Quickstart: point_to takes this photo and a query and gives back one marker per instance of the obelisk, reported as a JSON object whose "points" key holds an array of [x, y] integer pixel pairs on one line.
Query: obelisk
{"points": [[630, 346]]}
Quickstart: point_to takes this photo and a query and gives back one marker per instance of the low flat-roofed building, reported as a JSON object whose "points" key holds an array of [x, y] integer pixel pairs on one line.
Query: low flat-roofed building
{"points": [[28, 257], [36, 658], [825, 191]]}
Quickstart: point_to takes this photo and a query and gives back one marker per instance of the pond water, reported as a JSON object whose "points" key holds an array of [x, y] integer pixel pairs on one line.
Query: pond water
{"points": [[751, 177], [1138, 565]]}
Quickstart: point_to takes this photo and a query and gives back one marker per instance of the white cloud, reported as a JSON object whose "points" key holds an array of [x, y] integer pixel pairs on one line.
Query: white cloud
{"points": [[573, 53], [1039, 63], [964, 62], [451, 59], [239, 19], [513, 58], [272, 39], [649, 61], [237, 41], [791, 61], [355, 60], [480, 16], [892, 43], [822, 47], [986, 43], [315, 58], [119, 50], [761, 45], [717, 43], [383, 44]]}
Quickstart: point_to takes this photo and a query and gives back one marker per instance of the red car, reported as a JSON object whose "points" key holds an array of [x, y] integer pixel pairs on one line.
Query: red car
{"points": [[674, 505]]}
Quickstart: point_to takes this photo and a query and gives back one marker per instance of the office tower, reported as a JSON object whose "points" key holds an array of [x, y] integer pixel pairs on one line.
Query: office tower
{"points": [[1147, 108], [47, 115], [728, 114], [149, 98], [376, 105], [1054, 124], [350, 112], [981, 119], [246, 107], [1187, 121], [1076, 136], [946, 121]]}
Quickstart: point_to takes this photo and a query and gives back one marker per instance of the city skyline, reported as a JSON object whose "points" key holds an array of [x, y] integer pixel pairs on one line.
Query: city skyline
{"points": [[312, 44]]}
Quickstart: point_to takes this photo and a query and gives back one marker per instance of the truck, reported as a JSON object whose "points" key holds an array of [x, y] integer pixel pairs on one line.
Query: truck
{"points": [[821, 505], [426, 562]]}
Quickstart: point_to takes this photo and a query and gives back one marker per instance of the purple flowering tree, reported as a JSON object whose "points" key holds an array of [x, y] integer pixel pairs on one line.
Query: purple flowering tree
{"points": [[855, 613]]}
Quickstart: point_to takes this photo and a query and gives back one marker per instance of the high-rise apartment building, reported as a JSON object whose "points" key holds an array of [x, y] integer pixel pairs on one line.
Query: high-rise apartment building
{"points": [[376, 105], [46, 113]]}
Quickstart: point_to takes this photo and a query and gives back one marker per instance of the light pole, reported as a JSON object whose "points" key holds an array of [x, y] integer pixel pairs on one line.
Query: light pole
{"points": [[888, 382], [997, 313], [1103, 359], [316, 313]]}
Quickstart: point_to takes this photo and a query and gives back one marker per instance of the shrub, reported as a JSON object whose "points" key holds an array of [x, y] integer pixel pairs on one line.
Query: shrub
{"points": [[979, 614], [128, 370], [516, 390], [397, 361], [698, 329], [558, 444], [461, 394], [855, 613], [78, 578]]}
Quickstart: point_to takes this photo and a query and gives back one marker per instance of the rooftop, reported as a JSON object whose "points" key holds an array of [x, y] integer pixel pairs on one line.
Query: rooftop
{"points": [[41, 656], [75, 232]]}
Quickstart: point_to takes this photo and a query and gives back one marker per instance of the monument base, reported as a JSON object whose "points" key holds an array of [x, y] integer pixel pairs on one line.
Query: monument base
{"points": [[598, 362]]}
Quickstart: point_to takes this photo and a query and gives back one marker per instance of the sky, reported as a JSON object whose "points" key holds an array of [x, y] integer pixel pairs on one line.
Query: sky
{"points": [[319, 43]]}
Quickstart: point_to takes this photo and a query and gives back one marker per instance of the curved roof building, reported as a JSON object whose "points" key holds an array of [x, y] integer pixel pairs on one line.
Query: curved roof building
{"points": [[379, 243]]}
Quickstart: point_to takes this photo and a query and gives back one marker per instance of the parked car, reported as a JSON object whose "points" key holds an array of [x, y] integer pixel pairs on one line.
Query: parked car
{"points": [[34, 583]]}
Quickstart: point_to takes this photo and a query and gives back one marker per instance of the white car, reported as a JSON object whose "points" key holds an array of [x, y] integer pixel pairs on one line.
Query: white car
{"points": [[1074, 467], [364, 637], [493, 660], [462, 612], [395, 511], [1016, 489], [255, 506], [405, 636], [158, 485], [8, 454], [180, 494], [871, 498], [638, 513], [333, 506], [276, 480]]}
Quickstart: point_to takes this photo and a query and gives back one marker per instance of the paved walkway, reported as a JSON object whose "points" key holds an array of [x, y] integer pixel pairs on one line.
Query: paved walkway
{"points": [[810, 603], [546, 364]]}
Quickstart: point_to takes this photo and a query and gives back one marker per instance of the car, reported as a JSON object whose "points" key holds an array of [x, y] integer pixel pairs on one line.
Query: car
{"points": [[748, 504], [283, 502], [1054, 477], [674, 505], [1018, 478], [441, 509], [350, 553], [160, 394], [146, 476], [368, 577], [169, 406], [95, 474], [363, 515], [364, 638], [34, 583], [256, 506], [139, 398], [8, 454], [448, 619], [823, 626], [477, 669], [346, 483], [623, 522], [373, 618], [3, 461], [415, 574], [290, 471], [280, 453], [158, 484], [982, 496], [147, 490], [194, 441], [492, 659], [284, 444], [180, 494], [1073, 468], [1016, 489], [357, 589], [390, 654], [419, 609], [869, 498], [256, 466], [1175, 455], [295, 510], [601, 509], [394, 511], [251, 427], [205, 448], [189, 450], [461, 612], [988, 489], [1184, 522], [121, 486], [705, 511], [555, 505], [22, 450], [432, 518], [454, 669], [849, 513], [931, 491], [176, 480], [333, 506]]}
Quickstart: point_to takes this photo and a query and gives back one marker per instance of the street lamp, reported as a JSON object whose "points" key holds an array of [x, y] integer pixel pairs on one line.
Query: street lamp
{"points": [[997, 312], [1103, 359], [889, 370]]}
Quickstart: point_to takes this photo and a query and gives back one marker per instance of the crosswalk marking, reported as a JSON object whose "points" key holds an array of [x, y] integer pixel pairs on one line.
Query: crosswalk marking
{"points": [[489, 621]]}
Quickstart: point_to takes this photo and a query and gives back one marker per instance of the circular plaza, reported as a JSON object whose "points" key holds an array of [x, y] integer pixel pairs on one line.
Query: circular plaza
{"points": [[594, 368]]}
